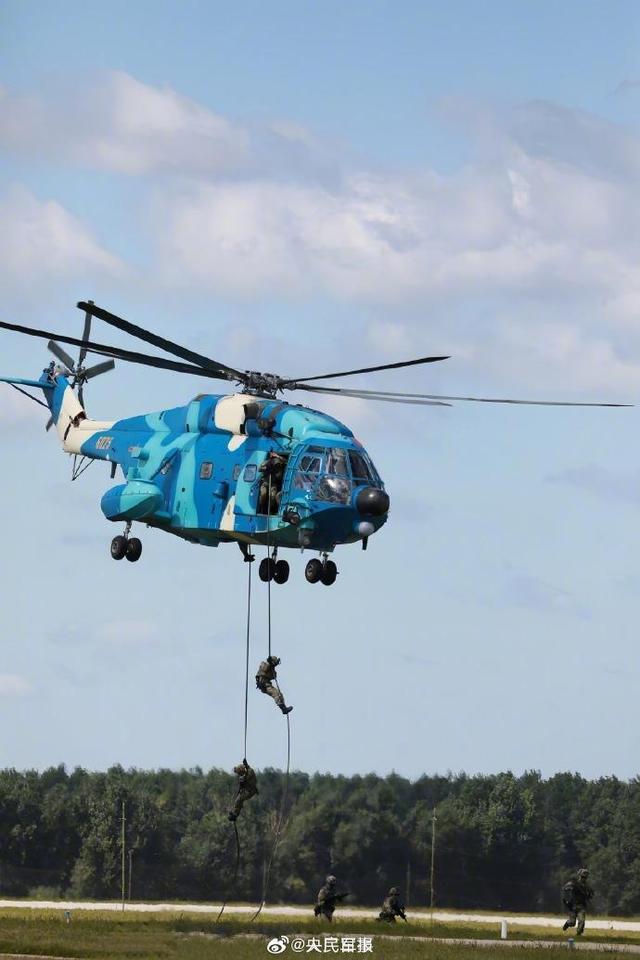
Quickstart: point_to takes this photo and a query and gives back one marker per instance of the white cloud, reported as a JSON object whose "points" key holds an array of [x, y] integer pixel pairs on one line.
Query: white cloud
{"points": [[11, 685], [41, 238], [602, 482], [127, 633], [531, 251], [16, 409], [538, 595]]}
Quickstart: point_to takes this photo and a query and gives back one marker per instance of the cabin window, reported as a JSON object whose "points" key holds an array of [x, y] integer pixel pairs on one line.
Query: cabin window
{"points": [[206, 470], [236, 471], [250, 472]]}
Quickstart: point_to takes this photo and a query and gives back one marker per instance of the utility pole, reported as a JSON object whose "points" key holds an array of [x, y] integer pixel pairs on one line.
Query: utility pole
{"points": [[123, 844], [130, 870], [407, 892], [434, 820]]}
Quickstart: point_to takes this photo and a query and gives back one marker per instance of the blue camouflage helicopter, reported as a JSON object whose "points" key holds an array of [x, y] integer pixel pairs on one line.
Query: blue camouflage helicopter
{"points": [[245, 467]]}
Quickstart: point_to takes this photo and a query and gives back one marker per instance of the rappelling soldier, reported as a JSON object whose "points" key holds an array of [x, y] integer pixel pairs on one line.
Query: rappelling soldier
{"points": [[265, 682], [576, 895], [247, 787], [327, 899], [272, 470], [392, 907]]}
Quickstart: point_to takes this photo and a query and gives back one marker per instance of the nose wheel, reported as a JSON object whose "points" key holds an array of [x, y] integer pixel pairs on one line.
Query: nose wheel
{"points": [[323, 570], [125, 546]]}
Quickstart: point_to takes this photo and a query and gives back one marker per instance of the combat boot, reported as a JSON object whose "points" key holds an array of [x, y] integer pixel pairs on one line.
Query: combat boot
{"points": [[284, 709]]}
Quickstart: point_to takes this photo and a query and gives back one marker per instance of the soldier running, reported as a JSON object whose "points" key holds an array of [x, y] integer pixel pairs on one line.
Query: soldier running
{"points": [[392, 907], [265, 682], [327, 899], [576, 895], [247, 788]]}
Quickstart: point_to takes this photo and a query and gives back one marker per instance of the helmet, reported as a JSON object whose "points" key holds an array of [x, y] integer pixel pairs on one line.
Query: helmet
{"points": [[239, 769], [583, 872], [274, 661], [331, 879], [393, 892]]}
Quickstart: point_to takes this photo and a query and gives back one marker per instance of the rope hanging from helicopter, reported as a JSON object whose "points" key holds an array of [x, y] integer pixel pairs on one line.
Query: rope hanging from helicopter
{"points": [[246, 725], [278, 829], [285, 789]]}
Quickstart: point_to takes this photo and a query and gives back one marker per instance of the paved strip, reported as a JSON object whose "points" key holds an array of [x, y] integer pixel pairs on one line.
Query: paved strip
{"points": [[442, 916]]}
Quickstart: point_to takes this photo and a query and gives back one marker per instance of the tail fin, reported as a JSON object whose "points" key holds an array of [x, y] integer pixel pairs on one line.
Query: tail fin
{"points": [[67, 413], [66, 410]]}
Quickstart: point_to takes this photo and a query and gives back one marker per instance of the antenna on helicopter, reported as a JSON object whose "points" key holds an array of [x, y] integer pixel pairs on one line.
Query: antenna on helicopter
{"points": [[77, 370]]}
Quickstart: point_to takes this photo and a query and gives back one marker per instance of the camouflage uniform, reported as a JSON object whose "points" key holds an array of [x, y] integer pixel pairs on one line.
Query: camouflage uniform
{"points": [[392, 907], [272, 469], [576, 895], [247, 787], [265, 678], [327, 899]]}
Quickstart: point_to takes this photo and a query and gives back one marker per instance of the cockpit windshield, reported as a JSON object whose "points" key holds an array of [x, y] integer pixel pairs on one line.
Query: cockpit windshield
{"points": [[332, 472]]}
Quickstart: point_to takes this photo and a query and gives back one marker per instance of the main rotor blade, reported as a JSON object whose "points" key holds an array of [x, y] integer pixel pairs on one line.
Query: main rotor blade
{"points": [[226, 373], [350, 373], [371, 395], [85, 336], [61, 354], [533, 403], [117, 353], [99, 368]]}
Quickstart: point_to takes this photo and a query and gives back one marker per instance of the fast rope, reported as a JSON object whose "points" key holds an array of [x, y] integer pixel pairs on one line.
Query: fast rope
{"points": [[268, 557], [246, 724], [235, 872], [285, 790], [281, 815]]}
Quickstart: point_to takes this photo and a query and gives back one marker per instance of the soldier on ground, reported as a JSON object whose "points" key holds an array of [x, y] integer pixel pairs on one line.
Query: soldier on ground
{"points": [[576, 895], [392, 907], [265, 682], [327, 899], [247, 787]]}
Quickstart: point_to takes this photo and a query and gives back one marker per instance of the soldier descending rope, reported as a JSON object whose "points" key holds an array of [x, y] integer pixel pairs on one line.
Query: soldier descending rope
{"points": [[576, 895], [247, 787], [266, 682]]}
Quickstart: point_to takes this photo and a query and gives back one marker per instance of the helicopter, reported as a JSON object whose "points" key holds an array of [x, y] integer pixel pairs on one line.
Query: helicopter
{"points": [[246, 467]]}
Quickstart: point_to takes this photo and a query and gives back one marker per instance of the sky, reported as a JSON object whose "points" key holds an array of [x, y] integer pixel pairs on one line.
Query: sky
{"points": [[288, 186]]}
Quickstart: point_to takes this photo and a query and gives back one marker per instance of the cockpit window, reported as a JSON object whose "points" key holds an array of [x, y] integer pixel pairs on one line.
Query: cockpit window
{"points": [[310, 463], [337, 462], [334, 489], [359, 468]]}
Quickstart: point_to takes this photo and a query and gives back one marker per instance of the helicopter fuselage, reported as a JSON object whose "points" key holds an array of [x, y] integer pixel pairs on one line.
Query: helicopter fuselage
{"points": [[203, 471]]}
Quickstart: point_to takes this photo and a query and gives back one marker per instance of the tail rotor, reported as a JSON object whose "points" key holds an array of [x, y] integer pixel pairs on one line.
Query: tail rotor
{"points": [[76, 370]]}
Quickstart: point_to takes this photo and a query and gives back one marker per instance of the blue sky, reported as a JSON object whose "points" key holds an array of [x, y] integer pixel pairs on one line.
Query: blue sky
{"points": [[285, 186]]}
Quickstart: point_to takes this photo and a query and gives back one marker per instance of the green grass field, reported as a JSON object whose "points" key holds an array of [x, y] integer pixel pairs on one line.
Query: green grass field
{"points": [[194, 937]]}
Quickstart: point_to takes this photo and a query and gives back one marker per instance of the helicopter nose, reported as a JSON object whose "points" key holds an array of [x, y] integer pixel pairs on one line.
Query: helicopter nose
{"points": [[372, 501]]}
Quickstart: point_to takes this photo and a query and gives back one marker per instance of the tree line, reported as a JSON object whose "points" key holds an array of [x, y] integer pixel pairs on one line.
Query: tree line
{"points": [[501, 841]]}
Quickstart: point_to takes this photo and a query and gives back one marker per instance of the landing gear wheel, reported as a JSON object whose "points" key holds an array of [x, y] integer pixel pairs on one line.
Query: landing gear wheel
{"points": [[267, 569], [329, 573], [118, 547], [134, 549], [281, 572], [313, 571]]}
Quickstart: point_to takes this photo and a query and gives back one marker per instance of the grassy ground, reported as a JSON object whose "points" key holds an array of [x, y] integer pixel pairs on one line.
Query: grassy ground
{"points": [[192, 937]]}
